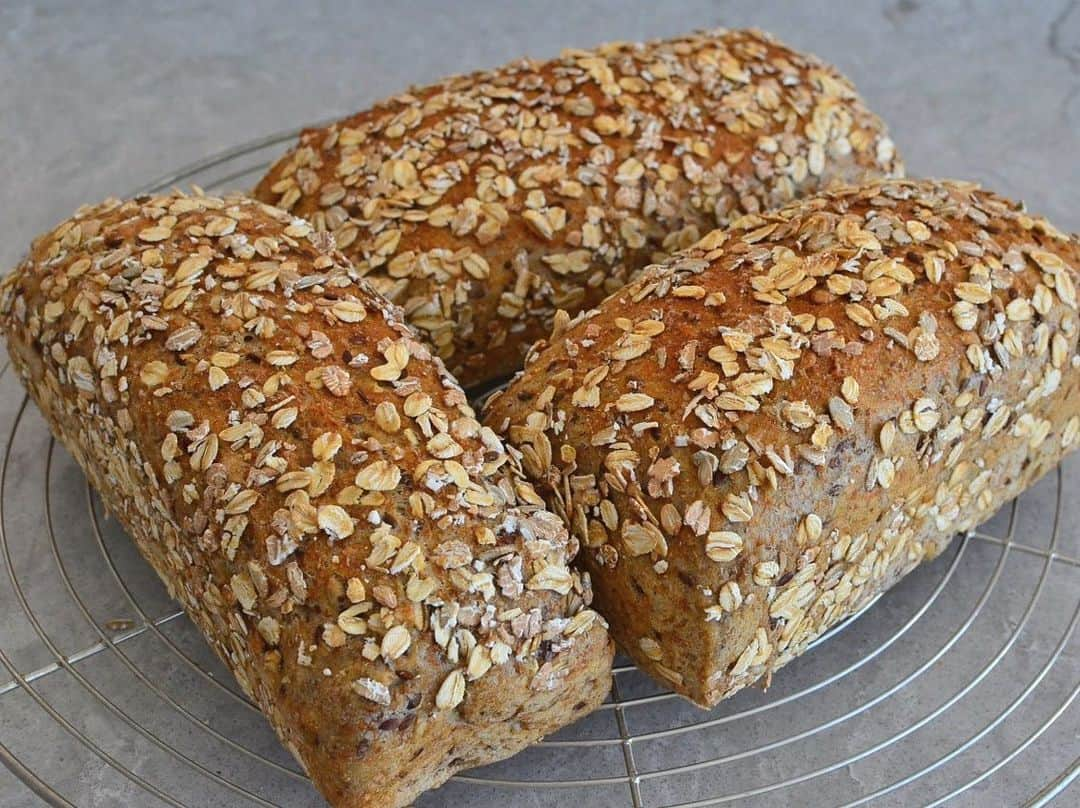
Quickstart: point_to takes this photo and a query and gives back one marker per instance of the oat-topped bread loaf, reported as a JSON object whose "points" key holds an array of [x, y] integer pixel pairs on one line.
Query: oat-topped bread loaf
{"points": [[312, 486], [484, 203], [757, 437]]}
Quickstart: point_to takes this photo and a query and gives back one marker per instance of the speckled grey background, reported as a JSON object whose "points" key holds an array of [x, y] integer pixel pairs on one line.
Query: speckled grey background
{"points": [[98, 98]]}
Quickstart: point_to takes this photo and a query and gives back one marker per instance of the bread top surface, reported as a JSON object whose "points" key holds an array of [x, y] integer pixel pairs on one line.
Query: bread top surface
{"points": [[348, 525], [690, 425], [485, 203]]}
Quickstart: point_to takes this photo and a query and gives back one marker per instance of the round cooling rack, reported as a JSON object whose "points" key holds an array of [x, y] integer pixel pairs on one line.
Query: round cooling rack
{"points": [[958, 686]]}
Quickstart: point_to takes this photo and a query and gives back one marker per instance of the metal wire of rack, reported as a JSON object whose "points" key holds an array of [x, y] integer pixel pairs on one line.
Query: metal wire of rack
{"points": [[962, 683]]}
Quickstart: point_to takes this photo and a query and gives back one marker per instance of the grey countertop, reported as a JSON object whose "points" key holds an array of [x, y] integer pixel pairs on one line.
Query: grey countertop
{"points": [[99, 98]]}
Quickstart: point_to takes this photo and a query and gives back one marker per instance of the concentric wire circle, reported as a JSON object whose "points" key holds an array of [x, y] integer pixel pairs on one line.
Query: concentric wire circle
{"points": [[958, 686]]}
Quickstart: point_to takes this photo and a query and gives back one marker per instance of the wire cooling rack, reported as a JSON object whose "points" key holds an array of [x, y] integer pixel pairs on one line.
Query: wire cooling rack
{"points": [[957, 686]]}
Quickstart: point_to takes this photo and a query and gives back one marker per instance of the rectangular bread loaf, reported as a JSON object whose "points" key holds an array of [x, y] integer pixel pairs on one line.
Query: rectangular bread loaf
{"points": [[485, 203], [772, 427], [311, 485]]}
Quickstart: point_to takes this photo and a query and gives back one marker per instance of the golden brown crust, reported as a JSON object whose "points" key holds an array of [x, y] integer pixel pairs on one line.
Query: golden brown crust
{"points": [[311, 484], [485, 203], [757, 437]]}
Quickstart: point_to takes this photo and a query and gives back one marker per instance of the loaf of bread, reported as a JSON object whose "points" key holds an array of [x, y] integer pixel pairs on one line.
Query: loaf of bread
{"points": [[760, 435], [311, 485], [485, 203]]}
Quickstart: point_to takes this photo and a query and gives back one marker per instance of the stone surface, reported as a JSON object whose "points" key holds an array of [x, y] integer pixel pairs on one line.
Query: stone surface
{"points": [[100, 98]]}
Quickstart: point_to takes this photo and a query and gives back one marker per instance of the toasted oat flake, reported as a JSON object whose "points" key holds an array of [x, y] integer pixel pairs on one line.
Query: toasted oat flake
{"points": [[723, 546], [730, 597], [554, 577], [379, 475], [372, 690], [356, 591], [639, 539], [451, 692], [155, 234], [651, 648], [337, 380], [633, 402], [351, 620], [850, 390], [243, 502], [280, 358], [326, 446], [349, 311], [154, 374], [335, 522], [765, 572], [925, 414], [395, 643]]}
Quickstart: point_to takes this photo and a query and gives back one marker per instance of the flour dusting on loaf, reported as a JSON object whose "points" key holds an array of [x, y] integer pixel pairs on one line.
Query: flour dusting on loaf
{"points": [[760, 435], [312, 486]]}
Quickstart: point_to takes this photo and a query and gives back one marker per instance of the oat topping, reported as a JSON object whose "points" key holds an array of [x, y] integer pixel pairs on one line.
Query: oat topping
{"points": [[790, 452], [296, 464], [484, 204]]}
